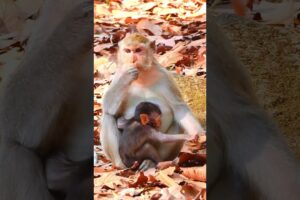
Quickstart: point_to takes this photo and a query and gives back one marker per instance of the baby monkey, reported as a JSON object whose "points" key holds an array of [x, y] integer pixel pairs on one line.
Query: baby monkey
{"points": [[141, 133]]}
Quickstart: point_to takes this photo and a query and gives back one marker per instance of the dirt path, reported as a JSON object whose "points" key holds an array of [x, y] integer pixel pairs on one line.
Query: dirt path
{"points": [[272, 56]]}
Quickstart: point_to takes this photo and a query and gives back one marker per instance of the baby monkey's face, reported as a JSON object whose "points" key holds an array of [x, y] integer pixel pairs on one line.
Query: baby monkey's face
{"points": [[153, 120]]}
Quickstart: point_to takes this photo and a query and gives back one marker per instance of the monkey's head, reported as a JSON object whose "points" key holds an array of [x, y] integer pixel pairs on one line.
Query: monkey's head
{"points": [[135, 51], [148, 113]]}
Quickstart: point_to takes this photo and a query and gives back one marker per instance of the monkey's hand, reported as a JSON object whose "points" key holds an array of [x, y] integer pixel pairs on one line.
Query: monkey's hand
{"points": [[116, 94], [191, 137], [195, 138], [130, 75], [147, 164]]}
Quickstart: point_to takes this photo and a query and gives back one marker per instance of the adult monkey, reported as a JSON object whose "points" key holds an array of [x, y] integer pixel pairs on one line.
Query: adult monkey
{"points": [[139, 78], [46, 125], [247, 157]]}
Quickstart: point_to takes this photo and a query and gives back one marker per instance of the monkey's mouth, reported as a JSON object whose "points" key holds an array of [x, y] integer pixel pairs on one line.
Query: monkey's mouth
{"points": [[139, 66], [143, 67]]}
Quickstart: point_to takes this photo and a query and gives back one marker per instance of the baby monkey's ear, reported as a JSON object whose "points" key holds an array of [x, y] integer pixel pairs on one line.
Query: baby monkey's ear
{"points": [[144, 119]]}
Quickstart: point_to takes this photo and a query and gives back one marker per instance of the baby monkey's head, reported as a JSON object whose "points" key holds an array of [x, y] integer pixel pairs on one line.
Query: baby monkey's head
{"points": [[148, 113]]}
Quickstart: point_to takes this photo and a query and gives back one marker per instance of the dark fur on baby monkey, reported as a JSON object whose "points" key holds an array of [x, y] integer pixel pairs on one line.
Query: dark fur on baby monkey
{"points": [[140, 134]]}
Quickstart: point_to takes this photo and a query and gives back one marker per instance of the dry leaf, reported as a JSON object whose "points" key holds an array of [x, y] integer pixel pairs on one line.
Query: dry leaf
{"points": [[140, 182], [164, 11], [165, 164], [129, 4], [167, 42], [165, 179], [150, 26], [101, 9], [109, 179], [173, 56], [169, 171], [195, 173], [100, 47], [200, 12], [191, 159], [147, 6]]}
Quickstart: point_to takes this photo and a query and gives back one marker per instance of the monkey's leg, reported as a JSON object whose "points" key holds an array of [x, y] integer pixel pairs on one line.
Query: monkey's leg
{"points": [[22, 175], [110, 139], [169, 151], [148, 151], [182, 114], [112, 102]]}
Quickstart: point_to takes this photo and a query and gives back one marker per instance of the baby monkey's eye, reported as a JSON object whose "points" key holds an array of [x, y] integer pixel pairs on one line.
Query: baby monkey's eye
{"points": [[138, 50], [127, 50]]}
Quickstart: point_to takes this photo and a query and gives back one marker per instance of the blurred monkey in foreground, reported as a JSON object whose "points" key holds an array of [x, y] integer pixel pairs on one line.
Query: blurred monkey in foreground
{"points": [[46, 125], [140, 78], [247, 156], [140, 134]]}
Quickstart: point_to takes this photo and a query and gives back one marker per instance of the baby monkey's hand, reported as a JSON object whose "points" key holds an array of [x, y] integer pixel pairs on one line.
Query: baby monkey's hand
{"points": [[196, 137], [191, 137]]}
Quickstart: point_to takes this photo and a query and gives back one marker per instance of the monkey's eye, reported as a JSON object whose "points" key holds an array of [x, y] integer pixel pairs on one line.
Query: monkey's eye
{"points": [[138, 50], [127, 50]]}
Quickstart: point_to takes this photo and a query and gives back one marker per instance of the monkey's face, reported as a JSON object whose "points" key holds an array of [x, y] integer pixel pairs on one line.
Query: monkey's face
{"points": [[134, 56], [155, 120]]}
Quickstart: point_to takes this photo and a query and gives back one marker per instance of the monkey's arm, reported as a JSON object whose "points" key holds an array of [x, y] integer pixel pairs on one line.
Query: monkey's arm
{"points": [[157, 136], [114, 97], [110, 139], [182, 113], [112, 103]]}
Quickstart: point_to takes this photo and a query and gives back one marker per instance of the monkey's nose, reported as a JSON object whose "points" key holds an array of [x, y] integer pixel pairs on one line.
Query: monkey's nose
{"points": [[134, 59]]}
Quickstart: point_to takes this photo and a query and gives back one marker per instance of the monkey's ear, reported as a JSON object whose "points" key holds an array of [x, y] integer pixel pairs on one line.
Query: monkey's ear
{"points": [[144, 119], [157, 121]]}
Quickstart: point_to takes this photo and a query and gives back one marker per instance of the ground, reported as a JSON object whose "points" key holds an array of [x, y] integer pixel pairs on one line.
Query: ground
{"points": [[271, 55]]}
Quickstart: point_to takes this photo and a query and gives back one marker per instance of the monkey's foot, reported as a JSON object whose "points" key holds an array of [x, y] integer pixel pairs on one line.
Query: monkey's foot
{"points": [[147, 164]]}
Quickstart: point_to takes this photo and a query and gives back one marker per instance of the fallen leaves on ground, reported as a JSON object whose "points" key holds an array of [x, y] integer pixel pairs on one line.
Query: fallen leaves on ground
{"points": [[178, 30], [182, 178]]}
